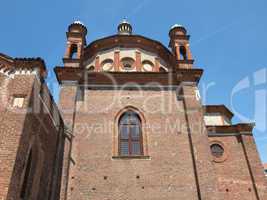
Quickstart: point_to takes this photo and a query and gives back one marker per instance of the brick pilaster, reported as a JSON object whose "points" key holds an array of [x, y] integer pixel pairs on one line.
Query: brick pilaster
{"points": [[138, 62], [204, 171], [67, 103], [254, 167]]}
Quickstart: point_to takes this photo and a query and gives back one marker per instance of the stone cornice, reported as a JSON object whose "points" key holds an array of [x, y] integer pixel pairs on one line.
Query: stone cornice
{"points": [[84, 76], [229, 130], [129, 41]]}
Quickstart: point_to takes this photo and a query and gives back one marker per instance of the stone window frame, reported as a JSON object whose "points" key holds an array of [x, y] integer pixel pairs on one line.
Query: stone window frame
{"points": [[115, 142], [225, 153], [128, 115]]}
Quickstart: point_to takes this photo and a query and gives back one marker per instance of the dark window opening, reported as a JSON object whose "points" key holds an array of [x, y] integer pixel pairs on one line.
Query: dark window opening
{"points": [[73, 51], [130, 136], [26, 177], [127, 63], [183, 55], [127, 66], [217, 150]]}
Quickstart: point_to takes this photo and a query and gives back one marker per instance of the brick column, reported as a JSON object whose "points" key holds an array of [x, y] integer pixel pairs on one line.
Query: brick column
{"points": [[188, 52], [203, 168], [157, 65], [97, 64], [67, 104], [138, 62], [67, 53], [117, 61], [177, 51], [79, 51]]}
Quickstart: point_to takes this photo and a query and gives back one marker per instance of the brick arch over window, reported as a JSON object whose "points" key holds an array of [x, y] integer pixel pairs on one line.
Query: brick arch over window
{"points": [[119, 138]]}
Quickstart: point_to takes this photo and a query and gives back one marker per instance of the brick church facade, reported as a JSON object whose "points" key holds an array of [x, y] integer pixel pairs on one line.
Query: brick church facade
{"points": [[129, 125]]}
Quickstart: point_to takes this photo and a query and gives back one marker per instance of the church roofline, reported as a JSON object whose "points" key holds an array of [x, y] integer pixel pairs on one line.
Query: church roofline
{"points": [[129, 41], [163, 78], [24, 63], [6, 57]]}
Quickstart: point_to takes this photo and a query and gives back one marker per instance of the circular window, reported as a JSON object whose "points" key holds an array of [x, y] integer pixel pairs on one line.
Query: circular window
{"points": [[107, 65], [217, 150], [127, 63], [148, 66], [91, 68]]}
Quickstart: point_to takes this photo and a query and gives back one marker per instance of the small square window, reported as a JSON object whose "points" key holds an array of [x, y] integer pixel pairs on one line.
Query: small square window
{"points": [[18, 102]]}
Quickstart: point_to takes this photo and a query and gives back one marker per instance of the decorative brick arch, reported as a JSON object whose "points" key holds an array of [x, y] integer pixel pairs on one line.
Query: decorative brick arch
{"points": [[115, 137]]}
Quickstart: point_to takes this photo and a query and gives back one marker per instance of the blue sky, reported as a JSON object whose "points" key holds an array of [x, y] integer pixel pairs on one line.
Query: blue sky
{"points": [[228, 40]]}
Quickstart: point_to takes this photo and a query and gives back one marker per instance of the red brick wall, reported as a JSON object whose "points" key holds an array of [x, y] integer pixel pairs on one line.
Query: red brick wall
{"points": [[167, 174], [11, 129], [233, 175], [29, 127]]}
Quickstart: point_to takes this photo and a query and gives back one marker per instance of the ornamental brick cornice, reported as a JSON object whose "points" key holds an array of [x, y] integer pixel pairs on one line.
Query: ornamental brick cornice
{"points": [[11, 66], [84, 76], [236, 129]]}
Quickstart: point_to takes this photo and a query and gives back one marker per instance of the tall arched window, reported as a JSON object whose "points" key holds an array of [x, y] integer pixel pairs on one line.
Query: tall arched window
{"points": [[130, 134]]}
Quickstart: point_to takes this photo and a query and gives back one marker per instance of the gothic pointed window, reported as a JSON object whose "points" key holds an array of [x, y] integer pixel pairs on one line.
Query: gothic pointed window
{"points": [[130, 135]]}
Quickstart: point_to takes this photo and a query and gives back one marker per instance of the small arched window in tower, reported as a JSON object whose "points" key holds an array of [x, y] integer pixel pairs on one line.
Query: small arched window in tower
{"points": [[127, 63], [24, 188], [73, 51], [130, 134], [183, 55]]}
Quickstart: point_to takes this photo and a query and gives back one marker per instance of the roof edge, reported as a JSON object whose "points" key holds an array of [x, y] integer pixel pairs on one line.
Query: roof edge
{"points": [[218, 109]]}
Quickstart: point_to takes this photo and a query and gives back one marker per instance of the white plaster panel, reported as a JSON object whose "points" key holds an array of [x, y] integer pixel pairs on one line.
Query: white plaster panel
{"points": [[213, 120], [127, 53], [106, 55]]}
